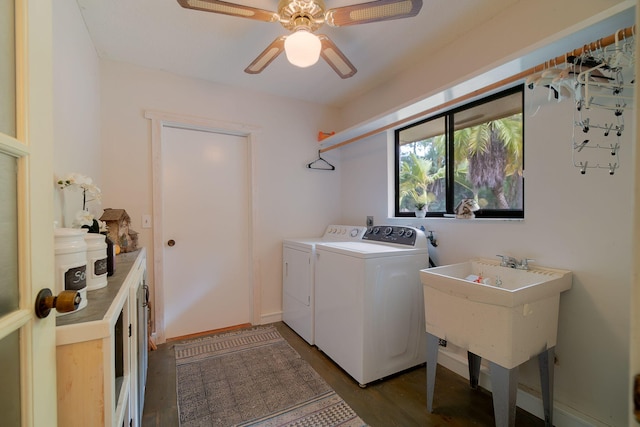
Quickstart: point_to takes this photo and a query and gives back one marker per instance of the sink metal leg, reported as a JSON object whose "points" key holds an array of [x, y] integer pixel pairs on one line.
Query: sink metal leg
{"points": [[504, 383], [546, 363], [432, 363], [474, 369]]}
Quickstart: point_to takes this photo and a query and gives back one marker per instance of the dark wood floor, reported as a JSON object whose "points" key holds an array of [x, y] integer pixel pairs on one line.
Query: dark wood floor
{"points": [[396, 401]]}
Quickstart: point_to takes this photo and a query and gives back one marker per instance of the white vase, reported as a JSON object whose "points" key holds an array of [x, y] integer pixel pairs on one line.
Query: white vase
{"points": [[421, 213]]}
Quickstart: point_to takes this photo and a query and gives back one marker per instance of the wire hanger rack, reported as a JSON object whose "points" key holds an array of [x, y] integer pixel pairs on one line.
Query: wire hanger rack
{"points": [[604, 81], [600, 78]]}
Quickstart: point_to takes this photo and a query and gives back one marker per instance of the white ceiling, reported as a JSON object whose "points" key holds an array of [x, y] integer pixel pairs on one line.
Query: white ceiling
{"points": [[160, 34]]}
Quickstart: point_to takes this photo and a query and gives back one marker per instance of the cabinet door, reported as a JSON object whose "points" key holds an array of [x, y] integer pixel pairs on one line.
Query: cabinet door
{"points": [[139, 298]]}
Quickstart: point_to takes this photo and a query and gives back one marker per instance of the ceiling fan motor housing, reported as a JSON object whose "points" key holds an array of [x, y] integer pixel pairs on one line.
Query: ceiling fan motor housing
{"points": [[301, 14]]}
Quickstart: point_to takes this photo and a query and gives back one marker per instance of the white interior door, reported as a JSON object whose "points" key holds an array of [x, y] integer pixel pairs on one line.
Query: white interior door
{"points": [[205, 186], [27, 344]]}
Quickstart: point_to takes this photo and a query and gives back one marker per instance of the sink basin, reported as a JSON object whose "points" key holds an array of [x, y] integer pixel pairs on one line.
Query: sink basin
{"points": [[508, 319]]}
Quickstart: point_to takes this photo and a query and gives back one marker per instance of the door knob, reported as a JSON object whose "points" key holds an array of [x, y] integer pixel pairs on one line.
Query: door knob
{"points": [[65, 302], [171, 242]]}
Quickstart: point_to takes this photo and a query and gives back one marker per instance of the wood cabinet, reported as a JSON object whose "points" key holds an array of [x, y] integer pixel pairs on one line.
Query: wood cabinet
{"points": [[101, 351]]}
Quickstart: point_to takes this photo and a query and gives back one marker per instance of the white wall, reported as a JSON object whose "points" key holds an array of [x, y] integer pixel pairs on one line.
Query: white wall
{"points": [[76, 98], [577, 222], [291, 199]]}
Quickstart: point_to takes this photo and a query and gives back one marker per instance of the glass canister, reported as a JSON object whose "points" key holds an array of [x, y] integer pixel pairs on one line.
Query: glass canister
{"points": [[96, 261], [71, 262]]}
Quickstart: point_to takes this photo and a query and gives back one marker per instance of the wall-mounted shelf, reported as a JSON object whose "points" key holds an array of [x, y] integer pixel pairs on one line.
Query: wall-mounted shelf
{"points": [[485, 81]]}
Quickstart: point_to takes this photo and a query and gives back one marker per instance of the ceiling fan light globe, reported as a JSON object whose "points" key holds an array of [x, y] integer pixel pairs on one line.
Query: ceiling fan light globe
{"points": [[302, 48]]}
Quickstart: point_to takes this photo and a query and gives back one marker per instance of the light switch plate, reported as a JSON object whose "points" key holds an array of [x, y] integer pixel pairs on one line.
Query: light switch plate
{"points": [[146, 221]]}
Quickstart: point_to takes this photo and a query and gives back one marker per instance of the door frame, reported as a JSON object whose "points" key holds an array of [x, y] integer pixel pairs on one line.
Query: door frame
{"points": [[31, 144], [634, 344], [159, 120]]}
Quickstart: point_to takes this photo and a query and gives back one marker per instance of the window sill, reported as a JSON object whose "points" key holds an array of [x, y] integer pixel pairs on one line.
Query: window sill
{"points": [[453, 218]]}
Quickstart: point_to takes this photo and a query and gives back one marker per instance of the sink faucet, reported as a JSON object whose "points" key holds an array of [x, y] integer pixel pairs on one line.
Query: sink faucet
{"points": [[508, 261], [511, 262], [524, 264]]}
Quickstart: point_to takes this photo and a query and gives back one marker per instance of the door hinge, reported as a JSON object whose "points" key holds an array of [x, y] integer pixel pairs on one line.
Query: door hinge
{"points": [[129, 330]]}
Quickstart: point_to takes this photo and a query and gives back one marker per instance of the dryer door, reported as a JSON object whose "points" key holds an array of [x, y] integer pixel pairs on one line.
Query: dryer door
{"points": [[297, 275]]}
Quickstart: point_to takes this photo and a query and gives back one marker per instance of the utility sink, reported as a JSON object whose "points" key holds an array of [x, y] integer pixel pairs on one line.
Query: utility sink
{"points": [[507, 318]]}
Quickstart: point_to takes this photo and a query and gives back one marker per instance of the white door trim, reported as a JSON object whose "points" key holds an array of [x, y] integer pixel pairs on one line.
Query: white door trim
{"points": [[159, 120]]}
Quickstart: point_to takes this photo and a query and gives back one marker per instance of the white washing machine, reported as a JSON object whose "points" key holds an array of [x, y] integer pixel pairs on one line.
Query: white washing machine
{"points": [[298, 261], [369, 314]]}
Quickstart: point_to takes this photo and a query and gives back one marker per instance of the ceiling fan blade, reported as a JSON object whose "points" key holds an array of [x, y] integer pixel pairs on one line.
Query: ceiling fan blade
{"points": [[269, 54], [335, 58], [374, 11], [226, 8]]}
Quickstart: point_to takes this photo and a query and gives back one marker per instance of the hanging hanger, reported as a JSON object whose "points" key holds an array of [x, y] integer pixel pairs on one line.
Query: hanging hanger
{"points": [[321, 164]]}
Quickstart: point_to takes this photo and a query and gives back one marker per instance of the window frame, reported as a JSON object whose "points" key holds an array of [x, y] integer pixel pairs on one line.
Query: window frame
{"points": [[450, 161]]}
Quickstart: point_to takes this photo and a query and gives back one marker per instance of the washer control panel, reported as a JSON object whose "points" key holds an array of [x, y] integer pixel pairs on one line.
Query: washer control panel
{"points": [[344, 232], [392, 234]]}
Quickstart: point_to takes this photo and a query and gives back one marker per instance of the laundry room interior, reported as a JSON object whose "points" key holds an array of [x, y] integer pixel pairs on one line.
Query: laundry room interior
{"points": [[109, 112]]}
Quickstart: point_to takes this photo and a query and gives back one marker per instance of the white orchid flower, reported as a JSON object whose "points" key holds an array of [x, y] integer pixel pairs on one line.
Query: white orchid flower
{"points": [[73, 180], [83, 218], [76, 181], [92, 191], [83, 180]]}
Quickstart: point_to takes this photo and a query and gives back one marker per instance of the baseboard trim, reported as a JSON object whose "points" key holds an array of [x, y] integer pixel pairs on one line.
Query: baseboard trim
{"points": [[213, 331], [563, 415], [270, 318]]}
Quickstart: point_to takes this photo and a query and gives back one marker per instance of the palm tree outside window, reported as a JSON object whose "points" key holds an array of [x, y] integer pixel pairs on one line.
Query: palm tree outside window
{"points": [[475, 151]]}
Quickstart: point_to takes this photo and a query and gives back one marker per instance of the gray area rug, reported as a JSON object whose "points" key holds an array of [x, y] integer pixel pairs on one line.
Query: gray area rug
{"points": [[253, 377]]}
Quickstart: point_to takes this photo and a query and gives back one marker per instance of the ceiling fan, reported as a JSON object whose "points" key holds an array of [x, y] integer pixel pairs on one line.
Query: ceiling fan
{"points": [[303, 18]]}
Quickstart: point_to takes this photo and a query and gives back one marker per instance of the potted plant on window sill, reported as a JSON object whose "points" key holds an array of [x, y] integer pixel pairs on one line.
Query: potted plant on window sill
{"points": [[421, 209]]}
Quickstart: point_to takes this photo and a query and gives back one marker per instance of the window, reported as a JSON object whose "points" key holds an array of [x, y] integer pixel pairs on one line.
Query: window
{"points": [[475, 151]]}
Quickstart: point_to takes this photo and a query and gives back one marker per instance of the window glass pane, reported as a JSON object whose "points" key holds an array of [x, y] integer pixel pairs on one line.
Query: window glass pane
{"points": [[8, 235], [422, 166], [7, 68], [10, 384], [472, 152], [488, 154]]}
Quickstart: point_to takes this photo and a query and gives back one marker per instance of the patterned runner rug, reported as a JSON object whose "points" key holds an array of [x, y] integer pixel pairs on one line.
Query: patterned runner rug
{"points": [[253, 377]]}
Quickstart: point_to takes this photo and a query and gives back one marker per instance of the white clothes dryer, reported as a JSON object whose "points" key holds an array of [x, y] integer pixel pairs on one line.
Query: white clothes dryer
{"points": [[298, 270], [369, 314]]}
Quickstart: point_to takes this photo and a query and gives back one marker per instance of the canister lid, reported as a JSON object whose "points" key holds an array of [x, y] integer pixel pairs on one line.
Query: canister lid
{"points": [[69, 240]]}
